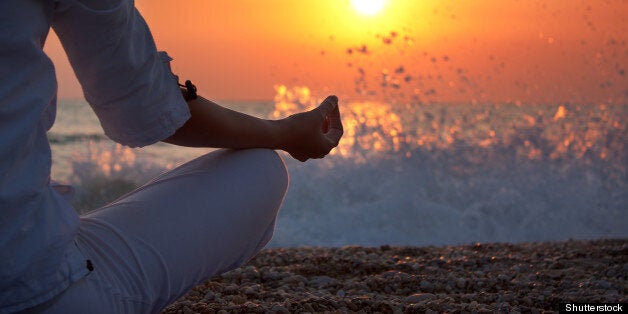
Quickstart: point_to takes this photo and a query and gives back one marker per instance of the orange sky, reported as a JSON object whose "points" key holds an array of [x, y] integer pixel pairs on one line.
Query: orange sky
{"points": [[444, 51]]}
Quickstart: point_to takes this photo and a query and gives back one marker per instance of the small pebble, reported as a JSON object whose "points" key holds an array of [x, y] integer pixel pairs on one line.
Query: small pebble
{"points": [[279, 309], [238, 299], [603, 284], [426, 286], [461, 283], [419, 297], [209, 296]]}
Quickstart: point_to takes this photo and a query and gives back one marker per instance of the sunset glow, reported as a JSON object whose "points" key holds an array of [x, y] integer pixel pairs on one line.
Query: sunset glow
{"points": [[368, 7], [427, 51]]}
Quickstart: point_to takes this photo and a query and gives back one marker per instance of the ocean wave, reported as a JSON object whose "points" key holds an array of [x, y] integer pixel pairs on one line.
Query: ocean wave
{"points": [[418, 174], [448, 174]]}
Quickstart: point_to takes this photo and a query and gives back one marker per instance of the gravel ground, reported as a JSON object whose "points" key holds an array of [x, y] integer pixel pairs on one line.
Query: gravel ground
{"points": [[480, 278]]}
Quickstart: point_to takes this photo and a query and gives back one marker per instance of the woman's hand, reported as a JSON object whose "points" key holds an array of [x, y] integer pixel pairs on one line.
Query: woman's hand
{"points": [[312, 134]]}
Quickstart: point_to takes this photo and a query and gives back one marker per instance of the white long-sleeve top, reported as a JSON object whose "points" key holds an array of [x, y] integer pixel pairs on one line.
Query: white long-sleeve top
{"points": [[129, 85]]}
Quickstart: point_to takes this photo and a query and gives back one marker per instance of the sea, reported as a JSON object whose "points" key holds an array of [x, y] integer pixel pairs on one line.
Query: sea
{"points": [[405, 173]]}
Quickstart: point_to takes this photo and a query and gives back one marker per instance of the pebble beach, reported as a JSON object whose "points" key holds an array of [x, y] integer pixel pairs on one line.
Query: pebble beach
{"points": [[474, 278]]}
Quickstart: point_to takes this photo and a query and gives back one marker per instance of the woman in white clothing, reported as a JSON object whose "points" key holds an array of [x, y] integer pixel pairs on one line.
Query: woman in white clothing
{"points": [[151, 246]]}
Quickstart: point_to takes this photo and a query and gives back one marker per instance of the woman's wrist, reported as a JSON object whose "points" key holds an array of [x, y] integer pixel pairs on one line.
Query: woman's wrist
{"points": [[280, 133]]}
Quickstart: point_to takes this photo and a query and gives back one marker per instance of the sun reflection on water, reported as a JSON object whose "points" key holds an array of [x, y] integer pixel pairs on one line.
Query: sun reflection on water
{"points": [[479, 132]]}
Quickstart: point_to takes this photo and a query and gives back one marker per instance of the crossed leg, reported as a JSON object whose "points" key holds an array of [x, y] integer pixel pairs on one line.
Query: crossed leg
{"points": [[201, 219]]}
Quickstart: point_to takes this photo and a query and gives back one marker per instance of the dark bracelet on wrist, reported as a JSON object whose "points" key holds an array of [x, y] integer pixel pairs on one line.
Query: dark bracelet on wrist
{"points": [[188, 90]]}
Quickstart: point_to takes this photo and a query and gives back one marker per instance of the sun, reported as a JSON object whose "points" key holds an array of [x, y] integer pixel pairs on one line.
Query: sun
{"points": [[368, 7]]}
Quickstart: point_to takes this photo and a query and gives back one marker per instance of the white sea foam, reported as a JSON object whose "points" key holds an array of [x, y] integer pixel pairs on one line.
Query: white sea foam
{"points": [[413, 174], [439, 174]]}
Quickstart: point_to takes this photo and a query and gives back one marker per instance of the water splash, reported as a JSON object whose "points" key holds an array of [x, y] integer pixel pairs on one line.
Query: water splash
{"points": [[565, 132], [421, 174], [107, 171], [428, 174]]}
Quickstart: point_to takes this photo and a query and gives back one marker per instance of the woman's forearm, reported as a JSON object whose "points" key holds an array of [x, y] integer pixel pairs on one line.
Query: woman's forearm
{"points": [[211, 125], [309, 134]]}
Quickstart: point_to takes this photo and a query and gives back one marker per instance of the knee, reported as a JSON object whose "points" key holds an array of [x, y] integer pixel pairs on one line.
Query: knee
{"points": [[276, 168], [263, 166]]}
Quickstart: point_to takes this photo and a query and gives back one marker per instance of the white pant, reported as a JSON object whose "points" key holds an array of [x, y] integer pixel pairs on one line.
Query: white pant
{"points": [[153, 245]]}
